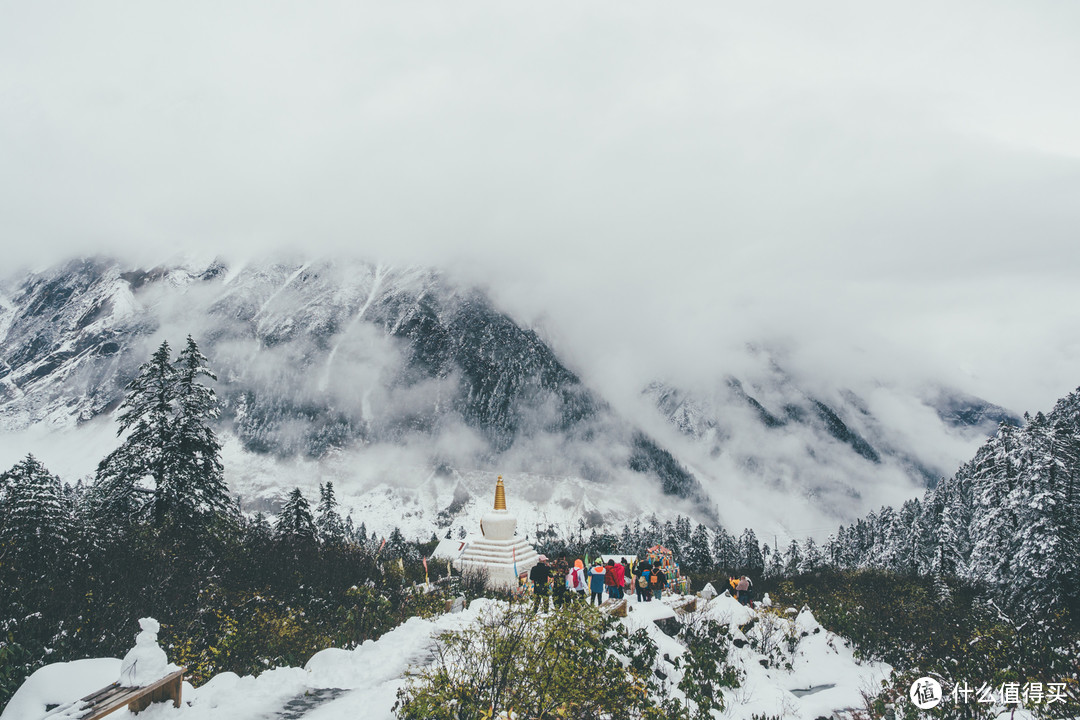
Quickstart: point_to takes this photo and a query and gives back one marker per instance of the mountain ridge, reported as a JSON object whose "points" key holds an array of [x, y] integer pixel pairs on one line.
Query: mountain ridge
{"points": [[321, 358]]}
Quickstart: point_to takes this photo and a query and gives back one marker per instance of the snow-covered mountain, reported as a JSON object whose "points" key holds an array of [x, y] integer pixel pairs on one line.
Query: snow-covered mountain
{"points": [[411, 392], [343, 371], [829, 442]]}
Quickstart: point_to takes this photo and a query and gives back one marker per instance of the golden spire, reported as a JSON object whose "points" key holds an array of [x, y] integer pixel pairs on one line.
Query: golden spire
{"points": [[500, 495]]}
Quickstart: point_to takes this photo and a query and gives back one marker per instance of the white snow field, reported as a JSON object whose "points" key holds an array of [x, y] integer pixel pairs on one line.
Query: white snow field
{"points": [[824, 679]]}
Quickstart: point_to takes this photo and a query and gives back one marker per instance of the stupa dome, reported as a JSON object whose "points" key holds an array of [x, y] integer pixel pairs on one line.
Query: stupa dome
{"points": [[499, 524], [499, 552]]}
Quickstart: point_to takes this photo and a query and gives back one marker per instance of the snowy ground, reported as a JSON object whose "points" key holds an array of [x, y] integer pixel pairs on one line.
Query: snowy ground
{"points": [[339, 684], [823, 680]]}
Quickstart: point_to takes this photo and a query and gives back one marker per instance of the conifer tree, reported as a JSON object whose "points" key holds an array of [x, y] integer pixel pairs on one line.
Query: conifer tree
{"points": [[774, 566], [750, 557], [328, 521], [840, 551], [166, 416], [35, 521], [1043, 554], [627, 541], [396, 545], [992, 519], [194, 454], [725, 549], [683, 535], [905, 554], [811, 557], [145, 415], [698, 553], [295, 526], [793, 558]]}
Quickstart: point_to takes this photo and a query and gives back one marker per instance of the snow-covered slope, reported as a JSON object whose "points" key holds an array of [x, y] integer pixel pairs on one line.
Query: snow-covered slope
{"points": [[824, 677]]}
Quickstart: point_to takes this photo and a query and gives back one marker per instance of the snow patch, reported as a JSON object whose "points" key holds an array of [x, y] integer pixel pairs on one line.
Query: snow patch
{"points": [[60, 684]]}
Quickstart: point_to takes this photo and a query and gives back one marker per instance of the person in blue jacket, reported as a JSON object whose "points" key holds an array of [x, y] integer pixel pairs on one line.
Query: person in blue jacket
{"points": [[596, 582]]}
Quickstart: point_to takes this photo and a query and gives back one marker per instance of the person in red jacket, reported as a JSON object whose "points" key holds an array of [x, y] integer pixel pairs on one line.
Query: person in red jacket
{"points": [[620, 579], [611, 583]]}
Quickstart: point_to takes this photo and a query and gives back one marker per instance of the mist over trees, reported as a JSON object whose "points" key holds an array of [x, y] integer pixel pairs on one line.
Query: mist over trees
{"points": [[156, 533]]}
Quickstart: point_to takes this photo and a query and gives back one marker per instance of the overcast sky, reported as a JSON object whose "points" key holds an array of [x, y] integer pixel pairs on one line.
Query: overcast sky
{"points": [[888, 188]]}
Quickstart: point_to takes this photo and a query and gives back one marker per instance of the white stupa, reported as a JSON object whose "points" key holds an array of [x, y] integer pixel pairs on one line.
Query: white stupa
{"points": [[499, 551]]}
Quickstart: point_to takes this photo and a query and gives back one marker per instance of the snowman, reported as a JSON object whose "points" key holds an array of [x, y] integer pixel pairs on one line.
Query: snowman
{"points": [[146, 662]]}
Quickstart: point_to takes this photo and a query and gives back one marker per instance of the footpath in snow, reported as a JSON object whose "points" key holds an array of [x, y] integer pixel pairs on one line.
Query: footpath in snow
{"points": [[823, 679]]}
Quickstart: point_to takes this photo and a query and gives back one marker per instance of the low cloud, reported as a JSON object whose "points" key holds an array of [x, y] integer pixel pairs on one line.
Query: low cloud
{"points": [[889, 200]]}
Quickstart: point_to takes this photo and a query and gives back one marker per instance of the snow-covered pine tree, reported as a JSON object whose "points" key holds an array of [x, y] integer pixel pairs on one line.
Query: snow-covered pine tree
{"points": [[905, 552], [1042, 558], [890, 551], [725, 549], [258, 533], [295, 526], [145, 415], [627, 541], [862, 533], [1066, 419], [698, 554], [195, 481], [838, 551], [35, 524], [924, 532], [750, 557], [653, 533], [792, 558], [166, 414], [682, 536], [327, 519], [397, 546], [776, 564], [811, 556], [993, 475]]}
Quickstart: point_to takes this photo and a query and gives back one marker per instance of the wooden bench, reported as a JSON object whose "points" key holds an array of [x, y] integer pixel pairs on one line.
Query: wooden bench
{"points": [[108, 699]]}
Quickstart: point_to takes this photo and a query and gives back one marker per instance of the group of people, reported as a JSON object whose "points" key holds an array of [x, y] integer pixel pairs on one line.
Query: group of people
{"points": [[569, 581]]}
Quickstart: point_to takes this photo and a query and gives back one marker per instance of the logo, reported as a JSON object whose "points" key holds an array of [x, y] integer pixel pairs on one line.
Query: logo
{"points": [[926, 693]]}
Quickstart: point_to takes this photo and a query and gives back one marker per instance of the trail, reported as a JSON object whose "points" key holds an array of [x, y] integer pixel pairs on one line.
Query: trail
{"points": [[302, 705]]}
